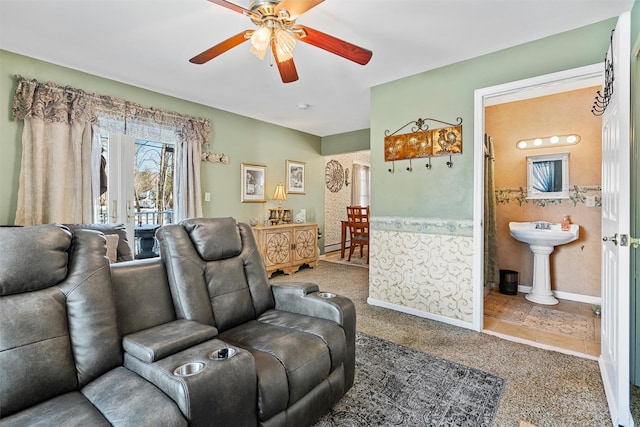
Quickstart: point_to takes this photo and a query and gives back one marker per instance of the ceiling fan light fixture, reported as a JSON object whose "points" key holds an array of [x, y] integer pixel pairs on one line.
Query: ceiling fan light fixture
{"points": [[260, 42], [284, 45]]}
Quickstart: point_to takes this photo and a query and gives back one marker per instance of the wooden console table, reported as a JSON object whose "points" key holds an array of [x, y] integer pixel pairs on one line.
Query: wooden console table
{"points": [[287, 247]]}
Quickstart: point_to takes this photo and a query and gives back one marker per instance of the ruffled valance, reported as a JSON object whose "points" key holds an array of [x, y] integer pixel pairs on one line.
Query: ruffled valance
{"points": [[54, 103]]}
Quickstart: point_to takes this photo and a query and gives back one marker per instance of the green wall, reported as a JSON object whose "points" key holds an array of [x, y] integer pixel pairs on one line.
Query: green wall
{"points": [[243, 139], [348, 142], [447, 93]]}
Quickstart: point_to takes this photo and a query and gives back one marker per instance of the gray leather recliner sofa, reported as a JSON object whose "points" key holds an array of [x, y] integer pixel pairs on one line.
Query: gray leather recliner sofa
{"points": [[60, 347], [85, 343]]}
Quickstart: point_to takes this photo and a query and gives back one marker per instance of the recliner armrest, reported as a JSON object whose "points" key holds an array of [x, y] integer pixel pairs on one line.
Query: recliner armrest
{"points": [[165, 340], [304, 298]]}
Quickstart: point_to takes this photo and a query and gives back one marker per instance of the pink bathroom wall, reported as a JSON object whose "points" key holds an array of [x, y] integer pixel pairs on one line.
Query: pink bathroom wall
{"points": [[575, 267]]}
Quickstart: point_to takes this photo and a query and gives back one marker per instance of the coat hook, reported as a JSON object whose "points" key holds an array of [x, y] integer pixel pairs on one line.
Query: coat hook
{"points": [[449, 163], [392, 169], [410, 168]]}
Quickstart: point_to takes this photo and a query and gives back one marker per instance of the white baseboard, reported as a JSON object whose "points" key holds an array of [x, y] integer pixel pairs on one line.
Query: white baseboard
{"points": [[419, 313], [566, 295]]}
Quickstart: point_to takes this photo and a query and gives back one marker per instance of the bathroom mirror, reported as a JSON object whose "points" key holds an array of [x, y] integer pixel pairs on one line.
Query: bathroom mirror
{"points": [[548, 176]]}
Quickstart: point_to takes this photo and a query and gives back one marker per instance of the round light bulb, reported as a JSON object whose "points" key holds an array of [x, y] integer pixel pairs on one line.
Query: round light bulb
{"points": [[522, 145], [554, 139], [571, 139], [537, 142]]}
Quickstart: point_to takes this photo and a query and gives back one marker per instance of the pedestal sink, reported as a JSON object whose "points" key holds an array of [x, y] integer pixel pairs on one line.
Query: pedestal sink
{"points": [[542, 237]]}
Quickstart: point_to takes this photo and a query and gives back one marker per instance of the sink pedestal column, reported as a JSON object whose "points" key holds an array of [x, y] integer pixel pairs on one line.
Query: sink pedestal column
{"points": [[541, 290]]}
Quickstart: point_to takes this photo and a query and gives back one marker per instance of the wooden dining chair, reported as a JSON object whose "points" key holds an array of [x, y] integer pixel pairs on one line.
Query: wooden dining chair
{"points": [[358, 217]]}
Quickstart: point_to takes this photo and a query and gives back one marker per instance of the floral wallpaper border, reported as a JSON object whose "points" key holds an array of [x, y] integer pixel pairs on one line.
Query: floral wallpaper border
{"points": [[436, 226], [578, 194]]}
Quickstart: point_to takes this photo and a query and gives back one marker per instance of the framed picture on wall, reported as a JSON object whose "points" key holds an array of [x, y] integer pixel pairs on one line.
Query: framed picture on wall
{"points": [[295, 177], [254, 180]]}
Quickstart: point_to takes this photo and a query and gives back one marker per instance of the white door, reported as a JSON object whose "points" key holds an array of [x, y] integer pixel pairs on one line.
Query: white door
{"points": [[120, 188], [614, 359]]}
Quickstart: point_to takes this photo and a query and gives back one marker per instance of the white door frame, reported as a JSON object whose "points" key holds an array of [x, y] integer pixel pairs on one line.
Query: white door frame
{"points": [[480, 96]]}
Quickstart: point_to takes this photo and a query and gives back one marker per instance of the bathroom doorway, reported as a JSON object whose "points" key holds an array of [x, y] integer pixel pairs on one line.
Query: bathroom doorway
{"points": [[525, 89], [563, 112]]}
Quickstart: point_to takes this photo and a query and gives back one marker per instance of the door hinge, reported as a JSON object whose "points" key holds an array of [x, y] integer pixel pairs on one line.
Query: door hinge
{"points": [[625, 240]]}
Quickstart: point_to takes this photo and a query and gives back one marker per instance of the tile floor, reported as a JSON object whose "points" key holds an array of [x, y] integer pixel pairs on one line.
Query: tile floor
{"points": [[574, 345]]}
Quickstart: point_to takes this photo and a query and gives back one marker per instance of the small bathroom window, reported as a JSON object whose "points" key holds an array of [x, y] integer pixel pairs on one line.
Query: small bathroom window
{"points": [[548, 176]]}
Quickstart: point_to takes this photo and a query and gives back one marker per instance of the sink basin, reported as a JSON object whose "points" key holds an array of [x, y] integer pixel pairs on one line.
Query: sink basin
{"points": [[542, 237], [533, 233]]}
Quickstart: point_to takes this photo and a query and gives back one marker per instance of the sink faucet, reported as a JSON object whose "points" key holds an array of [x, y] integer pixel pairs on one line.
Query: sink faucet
{"points": [[543, 225]]}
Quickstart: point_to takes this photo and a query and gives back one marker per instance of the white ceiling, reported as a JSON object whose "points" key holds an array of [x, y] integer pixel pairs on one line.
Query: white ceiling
{"points": [[148, 43]]}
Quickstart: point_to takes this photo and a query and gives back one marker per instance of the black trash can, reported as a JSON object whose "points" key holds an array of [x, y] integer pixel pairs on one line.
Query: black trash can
{"points": [[508, 282]]}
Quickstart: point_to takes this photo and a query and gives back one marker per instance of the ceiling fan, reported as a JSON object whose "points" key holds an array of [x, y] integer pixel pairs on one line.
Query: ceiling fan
{"points": [[277, 29]]}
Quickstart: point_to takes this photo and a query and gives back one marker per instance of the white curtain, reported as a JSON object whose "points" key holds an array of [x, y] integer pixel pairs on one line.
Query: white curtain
{"points": [[543, 176], [58, 162], [187, 179], [56, 181]]}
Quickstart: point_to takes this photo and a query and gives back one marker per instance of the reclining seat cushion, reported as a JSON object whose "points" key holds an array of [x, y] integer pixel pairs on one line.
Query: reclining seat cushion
{"points": [[289, 363], [329, 332], [69, 410], [126, 399]]}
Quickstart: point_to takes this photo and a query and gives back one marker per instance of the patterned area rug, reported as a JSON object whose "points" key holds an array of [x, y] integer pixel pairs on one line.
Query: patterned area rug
{"points": [[399, 386], [562, 323], [506, 307]]}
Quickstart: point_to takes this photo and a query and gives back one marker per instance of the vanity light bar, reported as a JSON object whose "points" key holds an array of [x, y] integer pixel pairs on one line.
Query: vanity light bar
{"points": [[548, 141]]}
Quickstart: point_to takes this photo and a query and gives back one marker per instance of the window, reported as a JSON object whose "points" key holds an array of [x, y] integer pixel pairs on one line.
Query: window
{"points": [[361, 188]]}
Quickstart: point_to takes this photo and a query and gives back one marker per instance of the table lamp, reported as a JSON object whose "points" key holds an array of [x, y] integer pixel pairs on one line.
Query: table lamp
{"points": [[279, 195]]}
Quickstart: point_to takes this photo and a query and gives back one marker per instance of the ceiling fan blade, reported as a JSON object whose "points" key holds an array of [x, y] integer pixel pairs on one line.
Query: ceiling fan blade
{"points": [[287, 69], [331, 44], [232, 6], [221, 48], [297, 7]]}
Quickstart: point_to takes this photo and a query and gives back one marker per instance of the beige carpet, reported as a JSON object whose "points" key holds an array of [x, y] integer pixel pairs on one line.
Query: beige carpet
{"points": [[543, 388]]}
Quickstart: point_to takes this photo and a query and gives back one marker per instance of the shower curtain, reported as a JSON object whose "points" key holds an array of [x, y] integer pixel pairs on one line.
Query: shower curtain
{"points": [[491, 271]]}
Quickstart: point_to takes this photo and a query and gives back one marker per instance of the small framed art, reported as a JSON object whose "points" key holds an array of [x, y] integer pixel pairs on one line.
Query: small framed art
{"points": [[295, 177], [254, 179]]}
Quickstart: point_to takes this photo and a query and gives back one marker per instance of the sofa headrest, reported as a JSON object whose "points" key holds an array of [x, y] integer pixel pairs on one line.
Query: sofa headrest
{"points": [[214, 238], [33, 257], [124, 250]]}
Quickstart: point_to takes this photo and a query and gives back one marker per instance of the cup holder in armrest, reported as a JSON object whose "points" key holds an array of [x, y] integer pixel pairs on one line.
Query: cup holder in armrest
{"points": [[326, 295], [188, 369], [223, 353]]}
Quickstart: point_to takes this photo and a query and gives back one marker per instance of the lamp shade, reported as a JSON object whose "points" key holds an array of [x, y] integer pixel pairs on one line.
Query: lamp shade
{"points": [[279, 193]]}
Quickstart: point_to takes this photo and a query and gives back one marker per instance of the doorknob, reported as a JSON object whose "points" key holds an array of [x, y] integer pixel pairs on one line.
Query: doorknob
{"points": [[613, 239]]}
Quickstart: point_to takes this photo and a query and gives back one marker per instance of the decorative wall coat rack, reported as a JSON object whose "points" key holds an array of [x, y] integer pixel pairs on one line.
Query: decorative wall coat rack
{"points": [[422, 142], [603, 98]]}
